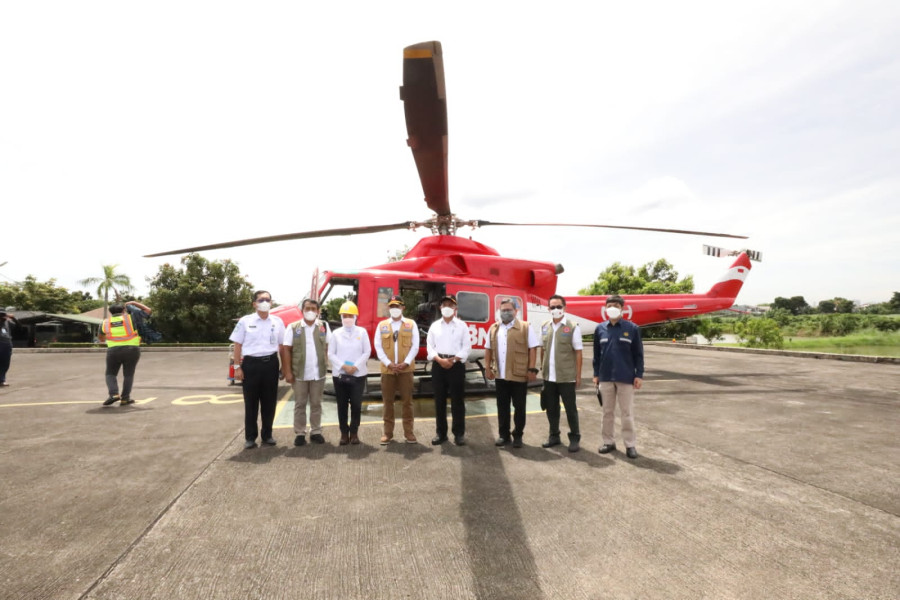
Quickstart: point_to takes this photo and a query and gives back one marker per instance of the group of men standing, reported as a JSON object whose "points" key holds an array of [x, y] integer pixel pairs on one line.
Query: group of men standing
{"points": [[511, 356]]}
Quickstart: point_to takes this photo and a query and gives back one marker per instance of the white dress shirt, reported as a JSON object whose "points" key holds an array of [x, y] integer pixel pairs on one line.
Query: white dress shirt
{"points": [[533, 342], [395, 327], [258, 337], [577, 344], [449, 338], [349, 345], [311, 368]]}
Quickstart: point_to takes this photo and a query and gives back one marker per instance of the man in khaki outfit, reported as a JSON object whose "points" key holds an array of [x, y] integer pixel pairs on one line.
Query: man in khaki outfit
{"points": [[510, 353], [305, 350], [396, 345]]}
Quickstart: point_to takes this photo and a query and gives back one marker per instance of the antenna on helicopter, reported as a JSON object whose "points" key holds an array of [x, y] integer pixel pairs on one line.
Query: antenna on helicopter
{"points": [[755, 255]]}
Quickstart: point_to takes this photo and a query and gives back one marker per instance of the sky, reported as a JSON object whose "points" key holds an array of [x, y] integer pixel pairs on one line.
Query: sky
{"points": [[133, 128]]}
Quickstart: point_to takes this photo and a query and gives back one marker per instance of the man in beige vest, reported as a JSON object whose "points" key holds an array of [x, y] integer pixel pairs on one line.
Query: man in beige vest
{"points": [[561, 366], [510, 353], [303, 363], [396, 345]]}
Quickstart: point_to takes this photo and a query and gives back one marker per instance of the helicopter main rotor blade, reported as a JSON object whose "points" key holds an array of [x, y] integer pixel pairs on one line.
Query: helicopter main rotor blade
{"points": [[425, 106], [664, 230], [291, 236]]}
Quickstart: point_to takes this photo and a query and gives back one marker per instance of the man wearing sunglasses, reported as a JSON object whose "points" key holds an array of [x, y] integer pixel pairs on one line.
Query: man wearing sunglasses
{"points": [[396, 345]]}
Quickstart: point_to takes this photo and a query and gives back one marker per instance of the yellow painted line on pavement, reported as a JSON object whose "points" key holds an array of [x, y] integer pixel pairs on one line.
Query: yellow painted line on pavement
{"points": [[70, 402], [283, 402]]}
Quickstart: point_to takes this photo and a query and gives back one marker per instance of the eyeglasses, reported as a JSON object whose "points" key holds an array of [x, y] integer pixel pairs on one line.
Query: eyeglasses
{"points": [[555, 306]]}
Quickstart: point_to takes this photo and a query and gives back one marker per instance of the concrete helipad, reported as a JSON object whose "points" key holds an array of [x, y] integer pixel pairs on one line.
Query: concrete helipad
{"points": [[759, 477]]}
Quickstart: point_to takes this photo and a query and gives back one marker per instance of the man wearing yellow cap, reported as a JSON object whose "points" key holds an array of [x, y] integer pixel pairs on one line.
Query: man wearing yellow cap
{"points": [[348, 355]]}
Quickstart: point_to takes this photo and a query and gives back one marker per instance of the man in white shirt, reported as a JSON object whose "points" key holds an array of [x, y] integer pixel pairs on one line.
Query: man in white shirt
{"points": [[561, 365], [348, 352], [257, 338], [303, 365], [396, 345], [510, 353], [448, 347]]}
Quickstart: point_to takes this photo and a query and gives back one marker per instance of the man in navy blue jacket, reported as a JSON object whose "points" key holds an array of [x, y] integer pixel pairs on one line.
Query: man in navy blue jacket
{"points": [[618, 370]]}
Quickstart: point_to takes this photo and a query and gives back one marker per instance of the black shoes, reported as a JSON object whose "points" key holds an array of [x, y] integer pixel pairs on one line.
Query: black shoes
{"points": [[631, 452], [249, 444], [459, 440], [300, 440], [317, 438], [553, 440], [438, 440], [126, 401], [111, 400], [574, 438], [501, 441], [517, 441], [606, 448], [270, 441]]}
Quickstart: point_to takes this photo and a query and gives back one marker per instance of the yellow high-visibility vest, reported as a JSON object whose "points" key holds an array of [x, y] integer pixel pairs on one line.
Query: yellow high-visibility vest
{"points": [[120, 331]]}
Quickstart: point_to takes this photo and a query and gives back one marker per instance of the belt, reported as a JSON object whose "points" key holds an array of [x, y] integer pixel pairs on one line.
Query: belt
{"points": [[259, 358], [447, 355]]}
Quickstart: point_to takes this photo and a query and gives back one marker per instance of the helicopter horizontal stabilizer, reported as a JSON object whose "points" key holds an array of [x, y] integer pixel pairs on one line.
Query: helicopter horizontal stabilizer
{"points": [[754, 255]]}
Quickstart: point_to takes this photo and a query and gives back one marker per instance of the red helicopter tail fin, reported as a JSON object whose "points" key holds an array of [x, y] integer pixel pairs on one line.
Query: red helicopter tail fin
{"points": [[731, 282]]}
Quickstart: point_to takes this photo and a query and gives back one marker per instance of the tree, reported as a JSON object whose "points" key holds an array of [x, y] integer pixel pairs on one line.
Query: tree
{"points": [[199, 302], [826, 307], [759, 333], [711, 329], [842, 305], [796, 305], [652, 278], [111, 280], [894, 303], [32, 294]]}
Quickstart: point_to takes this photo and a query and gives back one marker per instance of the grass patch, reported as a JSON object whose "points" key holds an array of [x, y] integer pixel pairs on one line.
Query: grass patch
{"points": [[868, 341]]}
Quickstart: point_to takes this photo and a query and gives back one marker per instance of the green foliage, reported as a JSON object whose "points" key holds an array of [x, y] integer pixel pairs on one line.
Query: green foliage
{"points": [[759, 333], [782, 316], [796, 305], [199, 302], [842, 305], [652, 278], [711, 328], [671, 329], [826, 306], [894, 303], [332, 306], [32, 294]]}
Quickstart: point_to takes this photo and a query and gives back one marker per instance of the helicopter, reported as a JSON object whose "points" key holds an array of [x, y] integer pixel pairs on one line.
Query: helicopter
{"points": [[477, 275]]}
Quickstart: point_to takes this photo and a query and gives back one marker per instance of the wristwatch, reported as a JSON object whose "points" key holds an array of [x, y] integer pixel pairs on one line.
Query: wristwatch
{"points": [[533, 370]]}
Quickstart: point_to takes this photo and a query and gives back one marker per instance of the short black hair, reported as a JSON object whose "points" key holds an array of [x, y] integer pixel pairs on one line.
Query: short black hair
{"points": [[258, 292], [309, 301], [617, 299], [557, 297], [116, 309]]}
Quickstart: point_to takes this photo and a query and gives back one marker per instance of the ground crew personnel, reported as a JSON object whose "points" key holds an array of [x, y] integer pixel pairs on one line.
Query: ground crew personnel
{"points": [[510, 353], [561, 370], [303, 366], [348, 353], [396, 345], [257, 339], [6, 346], [618, 370], [123, 350], [449, 345]]}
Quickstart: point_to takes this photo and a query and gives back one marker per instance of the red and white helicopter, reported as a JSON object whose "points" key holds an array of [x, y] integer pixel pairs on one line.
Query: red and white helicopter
{"points": [[478, 275]]}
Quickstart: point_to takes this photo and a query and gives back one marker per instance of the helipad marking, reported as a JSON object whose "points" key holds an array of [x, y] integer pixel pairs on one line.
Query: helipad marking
{"points": [[145, 401]]}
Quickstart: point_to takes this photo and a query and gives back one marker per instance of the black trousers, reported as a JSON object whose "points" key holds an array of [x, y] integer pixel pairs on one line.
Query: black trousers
{"points": [[349, 396], [515, 391], [125, 358], [552, 392], [5, 357], [450, 381], [260, 394]]}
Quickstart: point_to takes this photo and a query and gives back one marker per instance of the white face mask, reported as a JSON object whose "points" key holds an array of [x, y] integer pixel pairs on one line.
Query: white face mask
{"points": [[396, 313], [348, 321], [263, 306], [447, 311], [557, 313], [310, 315], [613, 312]]}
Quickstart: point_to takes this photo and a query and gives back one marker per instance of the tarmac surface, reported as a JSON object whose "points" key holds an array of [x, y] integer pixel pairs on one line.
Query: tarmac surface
{"points": [[759, 477]]}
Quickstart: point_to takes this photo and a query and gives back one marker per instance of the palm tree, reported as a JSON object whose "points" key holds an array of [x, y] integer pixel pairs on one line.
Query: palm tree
{"points": [[110, 281]]}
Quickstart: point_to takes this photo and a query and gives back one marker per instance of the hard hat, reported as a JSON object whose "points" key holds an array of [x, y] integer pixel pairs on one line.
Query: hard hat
{"points": [[349, 308]]}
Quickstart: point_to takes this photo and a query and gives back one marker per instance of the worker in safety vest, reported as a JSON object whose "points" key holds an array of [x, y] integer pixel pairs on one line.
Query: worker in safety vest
{"points": [[123, 350], [396, 345]]}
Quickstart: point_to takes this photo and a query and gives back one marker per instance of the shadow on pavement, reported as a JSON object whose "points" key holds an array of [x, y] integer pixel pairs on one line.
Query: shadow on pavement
{"points": [[409, 451]]}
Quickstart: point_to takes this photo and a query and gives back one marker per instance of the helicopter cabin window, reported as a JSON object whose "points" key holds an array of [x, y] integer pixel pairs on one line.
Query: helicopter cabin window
{"points": [[338, 290], [384, 294], [473, 307], [423, 302]]}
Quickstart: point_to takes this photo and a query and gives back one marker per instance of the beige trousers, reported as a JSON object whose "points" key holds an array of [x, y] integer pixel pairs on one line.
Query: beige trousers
{"points": [[391, 384], [308, 392], [621, 394]]}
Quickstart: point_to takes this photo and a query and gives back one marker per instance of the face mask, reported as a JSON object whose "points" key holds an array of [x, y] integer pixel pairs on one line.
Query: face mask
{"points": [[396, 313], [557, 313], [447, 312], [348, 321], [310, 315], [263, 306], [507, 315], [613, 312]]}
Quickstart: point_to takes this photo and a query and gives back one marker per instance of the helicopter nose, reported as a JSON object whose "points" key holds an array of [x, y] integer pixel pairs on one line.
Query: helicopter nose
{"points": [[559, 269]]}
